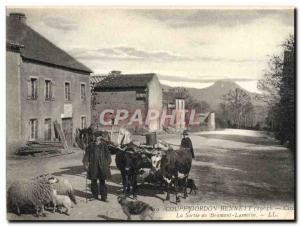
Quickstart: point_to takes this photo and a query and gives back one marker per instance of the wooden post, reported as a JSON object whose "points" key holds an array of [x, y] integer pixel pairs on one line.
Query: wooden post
{"points": [[61, 135], [112, 127]]}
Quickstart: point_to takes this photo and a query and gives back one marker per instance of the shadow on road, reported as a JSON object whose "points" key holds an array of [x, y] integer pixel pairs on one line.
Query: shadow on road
{"points": [[83, 194], [143, 189], [149, 189], [30, 210], [71, 170], [116, 178], [115, 190], [109, 218]]}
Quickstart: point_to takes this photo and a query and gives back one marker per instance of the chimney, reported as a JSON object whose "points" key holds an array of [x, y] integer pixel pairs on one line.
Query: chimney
{"points": [[18, 17], [113, 73]]}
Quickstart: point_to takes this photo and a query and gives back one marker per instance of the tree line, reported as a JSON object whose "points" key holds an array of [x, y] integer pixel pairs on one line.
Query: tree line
{"points": [[236, 110], [278, 86]]}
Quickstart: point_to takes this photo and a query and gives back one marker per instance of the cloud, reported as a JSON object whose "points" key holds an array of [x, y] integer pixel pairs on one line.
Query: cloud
{"points": [[108, 51], [202, 79], [124, 53], [183, 18], [60, 23], [227, 60]]}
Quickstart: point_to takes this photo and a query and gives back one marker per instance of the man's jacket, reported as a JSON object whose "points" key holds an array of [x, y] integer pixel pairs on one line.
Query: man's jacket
{"points": [[97, 161], [186, 142]]}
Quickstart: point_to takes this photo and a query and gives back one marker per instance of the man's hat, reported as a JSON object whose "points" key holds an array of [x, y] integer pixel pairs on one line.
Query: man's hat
{"points": [[185, 133]]}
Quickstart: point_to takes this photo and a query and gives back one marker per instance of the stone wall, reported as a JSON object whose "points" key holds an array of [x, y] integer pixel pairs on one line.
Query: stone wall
{"points": [[13, 98], [118, 99], [155, 101], [42, 109]]}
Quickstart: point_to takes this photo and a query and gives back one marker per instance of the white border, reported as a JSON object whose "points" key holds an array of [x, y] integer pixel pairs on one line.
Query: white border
{"points": [[114, 3]]}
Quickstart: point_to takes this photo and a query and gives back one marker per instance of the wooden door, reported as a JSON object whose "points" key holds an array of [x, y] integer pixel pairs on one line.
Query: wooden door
{"points": [[67, 127], [47, 130]]}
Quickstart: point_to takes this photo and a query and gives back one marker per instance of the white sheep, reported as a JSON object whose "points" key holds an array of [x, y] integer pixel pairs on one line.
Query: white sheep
{"points": [[34, 192], [61, 201], [63, 187]]}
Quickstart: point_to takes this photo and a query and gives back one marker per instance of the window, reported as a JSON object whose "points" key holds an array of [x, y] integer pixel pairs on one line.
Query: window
{"points": [[140, 95], [33, 89], [67, 91], [33, 123], [82, 91], [47, 129], [48, 90], [83, 122]]}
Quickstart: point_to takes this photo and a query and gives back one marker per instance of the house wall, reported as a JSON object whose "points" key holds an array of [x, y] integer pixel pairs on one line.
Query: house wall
{"points": [[211, 121], [207, 122], [155, 101], [40, 108], [127, 99], [13, 112], [116, 100], [180, 114]]}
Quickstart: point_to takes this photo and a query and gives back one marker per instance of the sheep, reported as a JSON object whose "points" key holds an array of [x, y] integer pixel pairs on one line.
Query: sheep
{"points": [[33, 192], [63, 187], [61, 200]]}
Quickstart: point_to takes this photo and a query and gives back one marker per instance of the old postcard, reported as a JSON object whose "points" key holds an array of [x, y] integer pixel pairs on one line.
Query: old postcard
{"points": [[150, 113]]}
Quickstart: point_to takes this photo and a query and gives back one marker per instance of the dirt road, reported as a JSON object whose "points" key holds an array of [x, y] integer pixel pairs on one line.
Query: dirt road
{"points": [[231, 167]]}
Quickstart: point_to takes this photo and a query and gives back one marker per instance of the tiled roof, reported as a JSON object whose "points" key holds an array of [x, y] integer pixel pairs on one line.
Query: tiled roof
{"points": [[125, 81], [36, 47], [96, 78]]}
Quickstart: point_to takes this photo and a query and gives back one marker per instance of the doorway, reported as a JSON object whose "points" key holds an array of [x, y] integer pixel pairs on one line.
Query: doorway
{"points": [[47, 129], [67, 127]]}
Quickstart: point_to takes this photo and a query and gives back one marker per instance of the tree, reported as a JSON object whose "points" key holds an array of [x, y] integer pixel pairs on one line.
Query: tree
{"points": [[199, 106], [237, 108], [178, 92], [190, 102], [278, 86]]}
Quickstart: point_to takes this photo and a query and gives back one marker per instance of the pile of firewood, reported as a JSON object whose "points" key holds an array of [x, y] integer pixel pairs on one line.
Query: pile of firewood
{"points": [[33, 147]]}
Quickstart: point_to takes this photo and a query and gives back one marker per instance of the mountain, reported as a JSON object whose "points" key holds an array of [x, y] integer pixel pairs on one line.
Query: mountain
{"points": [[213, 94]]}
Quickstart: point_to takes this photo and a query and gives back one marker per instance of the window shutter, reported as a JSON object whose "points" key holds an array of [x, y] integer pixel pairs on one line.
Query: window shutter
{"points": [[45, 93], [29, 129], [37, 129], [53, 90], [45, 130], [69, 93], [36, 88], [28, 89]]}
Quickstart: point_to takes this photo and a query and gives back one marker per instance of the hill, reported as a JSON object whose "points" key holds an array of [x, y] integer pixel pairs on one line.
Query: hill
{"points": [[213, 94]]}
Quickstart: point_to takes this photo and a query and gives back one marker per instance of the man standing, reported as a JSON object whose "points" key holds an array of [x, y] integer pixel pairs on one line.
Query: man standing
{"points": [[97, 161], [186, 142]]}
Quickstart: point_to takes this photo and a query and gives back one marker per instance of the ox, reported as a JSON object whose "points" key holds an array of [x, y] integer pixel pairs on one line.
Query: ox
{"points": [[172, 165], [129, 161]]}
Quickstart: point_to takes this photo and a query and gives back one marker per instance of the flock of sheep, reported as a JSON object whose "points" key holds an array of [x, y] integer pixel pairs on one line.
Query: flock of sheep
{"points": [[40, 192]]}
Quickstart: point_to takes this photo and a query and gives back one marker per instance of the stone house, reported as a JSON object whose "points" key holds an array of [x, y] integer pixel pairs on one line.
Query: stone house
{"points": [[43, 84], [128, 92], [206, 120], [177, 105], [174, 101]]}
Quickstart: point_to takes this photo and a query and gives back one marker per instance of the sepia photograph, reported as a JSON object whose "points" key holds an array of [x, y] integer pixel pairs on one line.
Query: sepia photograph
{"points": [[150, 113]]}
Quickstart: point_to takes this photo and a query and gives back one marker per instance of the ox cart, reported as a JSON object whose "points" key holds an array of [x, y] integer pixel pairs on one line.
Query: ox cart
{"points": [[155, 162]]}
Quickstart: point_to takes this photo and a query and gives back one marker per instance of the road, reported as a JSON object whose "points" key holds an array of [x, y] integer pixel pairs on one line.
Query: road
{"points": [[231, 167]]}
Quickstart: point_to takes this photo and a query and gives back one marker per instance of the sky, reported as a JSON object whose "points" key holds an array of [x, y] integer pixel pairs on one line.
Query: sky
{"points": [[185, 47]]}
